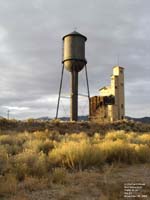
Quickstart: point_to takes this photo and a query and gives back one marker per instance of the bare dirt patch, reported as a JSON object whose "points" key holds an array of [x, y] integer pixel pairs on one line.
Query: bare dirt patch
{"points": [[104, 184]]}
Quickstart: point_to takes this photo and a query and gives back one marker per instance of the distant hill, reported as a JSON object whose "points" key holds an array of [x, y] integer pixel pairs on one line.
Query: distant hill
{"points": [[143, 119], [85, 118], [43, 118]]}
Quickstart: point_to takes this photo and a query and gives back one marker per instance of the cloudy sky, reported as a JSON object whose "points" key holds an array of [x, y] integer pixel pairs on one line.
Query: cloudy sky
{"points": [[30, 52]]}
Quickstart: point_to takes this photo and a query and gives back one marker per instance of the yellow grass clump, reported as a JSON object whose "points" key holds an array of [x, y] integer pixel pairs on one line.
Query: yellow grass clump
{"points": [[76, 155], [36, 154]]}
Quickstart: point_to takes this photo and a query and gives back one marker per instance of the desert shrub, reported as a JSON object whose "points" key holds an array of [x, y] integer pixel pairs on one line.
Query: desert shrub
{"points": [[117, 151], [76, 155], [59, 176], [3, 160], [33, 184], [20, 171], [55, 135], [35, 154], [80, 151], [33, 145], [46, 146], [143, 153], [8, 185], [144, 138], [29, 163], [41, 135], [22, 138], [114, 135], [7, 139], [56, 122], [37, 145], [77, 137], [97, 137], [132, 137], [12, 149], [13, 142], [48, 134]]}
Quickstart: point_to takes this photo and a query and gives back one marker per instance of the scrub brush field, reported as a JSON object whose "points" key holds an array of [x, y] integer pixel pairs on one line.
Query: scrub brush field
{"points": [[67, 161]]}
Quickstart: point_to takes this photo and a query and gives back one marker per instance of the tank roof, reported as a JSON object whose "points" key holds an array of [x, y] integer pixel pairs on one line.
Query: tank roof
{"points": [[118, 67], [75, 33]]}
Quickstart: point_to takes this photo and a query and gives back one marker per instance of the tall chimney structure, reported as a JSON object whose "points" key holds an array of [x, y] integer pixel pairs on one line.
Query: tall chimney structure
{"points": [[73, 61]]}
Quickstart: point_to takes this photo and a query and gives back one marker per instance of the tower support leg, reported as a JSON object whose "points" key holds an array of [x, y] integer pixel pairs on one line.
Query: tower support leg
{"points": [[61, 80], [74, 96], [88, 90]]}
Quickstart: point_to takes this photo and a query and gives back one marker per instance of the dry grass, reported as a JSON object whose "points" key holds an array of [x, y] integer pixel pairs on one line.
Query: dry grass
{"points": [[76, 155], [105, 184], [8, 185], [39, 160]]}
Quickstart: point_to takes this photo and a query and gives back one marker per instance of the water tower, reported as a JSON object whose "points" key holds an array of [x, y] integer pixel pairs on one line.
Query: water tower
{"points": [[74, 61]]}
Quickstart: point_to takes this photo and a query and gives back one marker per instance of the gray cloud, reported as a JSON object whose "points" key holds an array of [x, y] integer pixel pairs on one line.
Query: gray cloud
{"points": [[30, 52]]}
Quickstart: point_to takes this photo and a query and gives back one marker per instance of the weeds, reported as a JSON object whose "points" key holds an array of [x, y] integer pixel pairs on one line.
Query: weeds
{"points": [[76, 155], [59, 176], [28, 157], [8, 185]]}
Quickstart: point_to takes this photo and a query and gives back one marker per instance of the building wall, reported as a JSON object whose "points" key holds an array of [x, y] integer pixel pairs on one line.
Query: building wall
{"points": [[106, 91], [112, 111], [118, 87]]}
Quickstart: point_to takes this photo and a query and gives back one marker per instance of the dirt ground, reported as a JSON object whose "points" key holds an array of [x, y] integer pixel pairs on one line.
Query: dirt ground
{"points": [[105, 184]]}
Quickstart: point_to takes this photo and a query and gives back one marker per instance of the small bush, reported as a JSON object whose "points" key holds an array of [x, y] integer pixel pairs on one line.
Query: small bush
{"points": [[31, 164], [29, 157], [132, 138], [77, 137], [97, 137], [41, 135], [76, 155], [12, 149], [8, 185], [59, 176], [33, 184], [143, 153], [144, 138], [117, 151], [114, 135], [13, 139], [46, 146], [55, 135], [3, 160], [7, 139], [33, 145]]}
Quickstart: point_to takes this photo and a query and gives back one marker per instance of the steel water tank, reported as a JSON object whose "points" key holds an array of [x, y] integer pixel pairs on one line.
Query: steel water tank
{"points": [[74, 51]]}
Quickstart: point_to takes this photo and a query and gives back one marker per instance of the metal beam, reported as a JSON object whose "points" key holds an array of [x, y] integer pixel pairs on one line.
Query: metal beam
{"points": [[61, 80], [88, 90]]}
